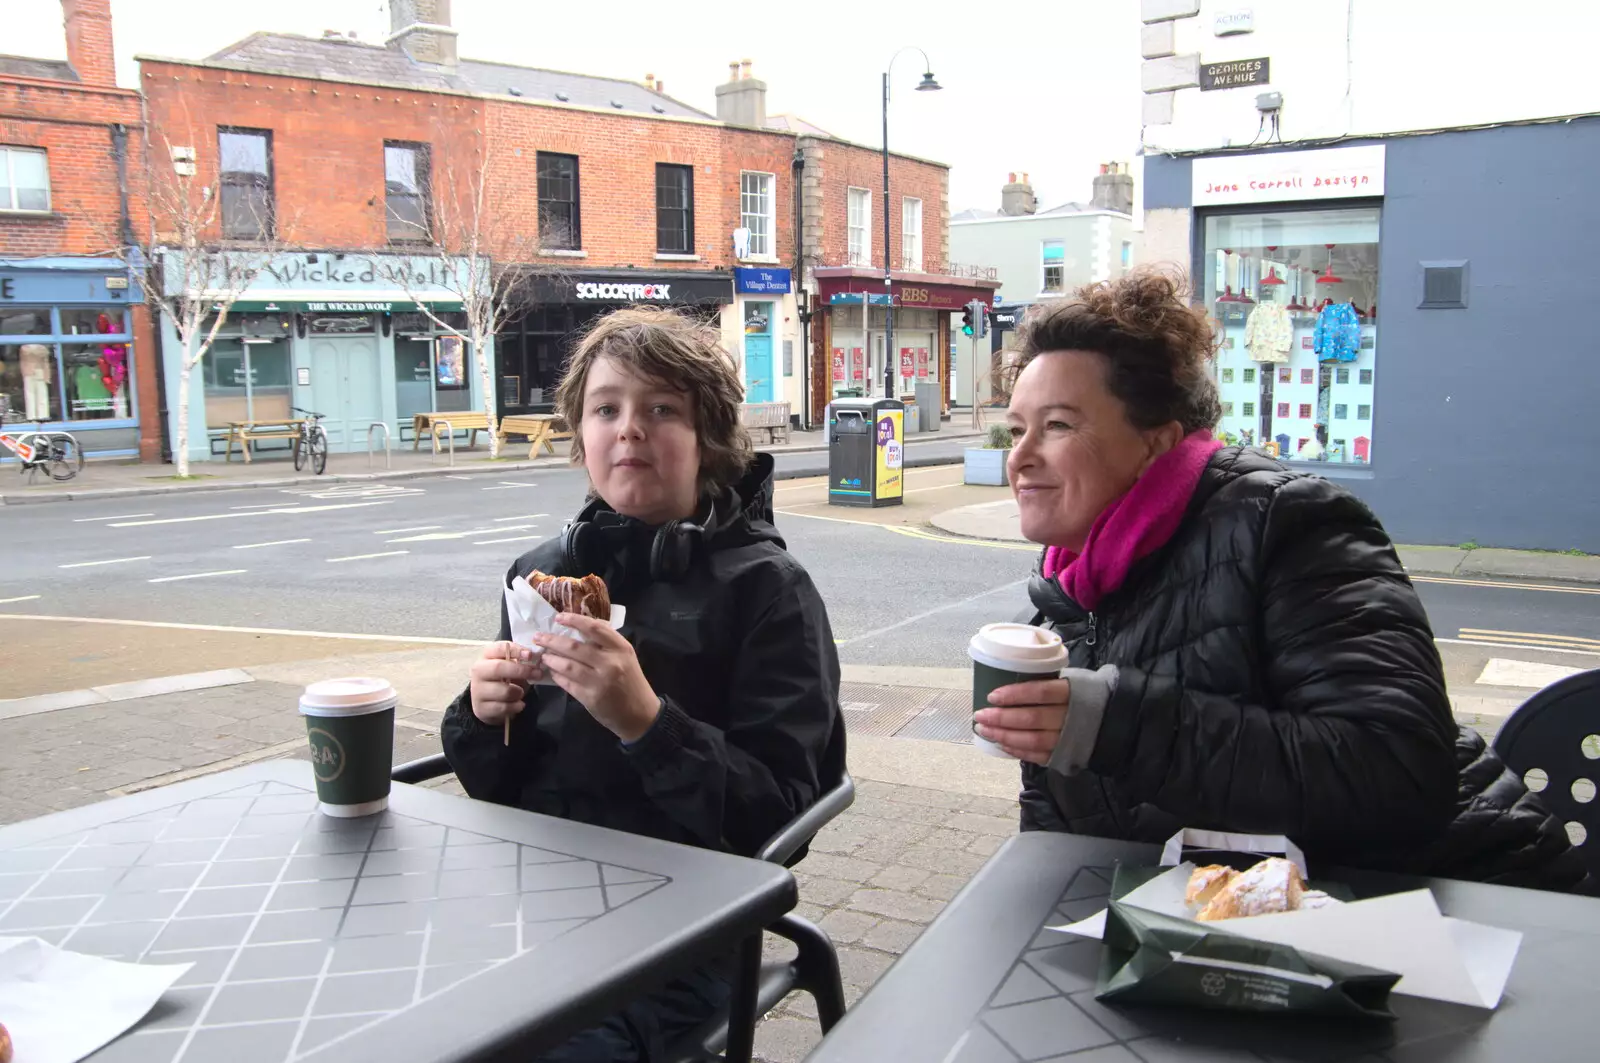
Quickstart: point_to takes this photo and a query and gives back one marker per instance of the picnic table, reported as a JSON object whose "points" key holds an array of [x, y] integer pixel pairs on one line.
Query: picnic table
{"points": [[444, 929], [247, 432], [459, 421], [988, 983], [542, 430]]}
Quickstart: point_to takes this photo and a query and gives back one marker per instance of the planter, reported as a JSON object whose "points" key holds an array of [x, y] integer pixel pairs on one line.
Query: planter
{"points": [[985, 466]]}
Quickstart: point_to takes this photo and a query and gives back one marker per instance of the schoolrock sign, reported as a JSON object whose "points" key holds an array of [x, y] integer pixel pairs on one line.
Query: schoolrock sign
{"points": [[627, 293], [1283, 176]]}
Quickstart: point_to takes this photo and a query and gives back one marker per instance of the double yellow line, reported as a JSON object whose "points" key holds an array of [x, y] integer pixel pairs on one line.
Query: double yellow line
{"points": [[1531, 640], [1503, 585]]}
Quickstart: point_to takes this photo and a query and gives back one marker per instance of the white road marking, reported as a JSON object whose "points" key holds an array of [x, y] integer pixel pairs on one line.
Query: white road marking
{"points": [[295, 510], [275, 542], [430, 537], [401, 531], [119, 516], [363, 557], [24, 598], [506, 485], [935, 611], [1505, 672], [433, 640], [269, 505], [108, 561], [1505, 643], [199, 575], [458, 476], [513, 539], [525, 516]]}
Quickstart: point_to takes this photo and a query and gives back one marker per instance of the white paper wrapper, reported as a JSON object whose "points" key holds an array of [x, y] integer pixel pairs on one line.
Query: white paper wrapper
{"points": [[531, 615], [1436, 956], [60, 1006]]}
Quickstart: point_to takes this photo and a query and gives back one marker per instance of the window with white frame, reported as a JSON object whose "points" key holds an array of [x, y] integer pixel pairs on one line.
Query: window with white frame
{"points": [[858, 225], [911, 234], [756, 212], [1054, 260], [24, 179]]}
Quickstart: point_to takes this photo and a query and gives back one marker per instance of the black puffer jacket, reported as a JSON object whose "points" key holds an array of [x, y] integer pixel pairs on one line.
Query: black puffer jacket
{"points": [[741, 653], [1277, 675]]}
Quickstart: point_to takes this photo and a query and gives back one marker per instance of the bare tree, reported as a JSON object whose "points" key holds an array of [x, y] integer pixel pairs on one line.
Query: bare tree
{"points": [[448, 205]]}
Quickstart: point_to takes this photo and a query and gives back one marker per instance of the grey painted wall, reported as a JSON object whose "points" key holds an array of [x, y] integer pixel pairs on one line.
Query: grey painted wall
{"points": [[1487, 420]]}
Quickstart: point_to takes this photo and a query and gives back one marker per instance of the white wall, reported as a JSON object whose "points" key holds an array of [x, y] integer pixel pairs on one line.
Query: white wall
{"points": [[1409, 64]]}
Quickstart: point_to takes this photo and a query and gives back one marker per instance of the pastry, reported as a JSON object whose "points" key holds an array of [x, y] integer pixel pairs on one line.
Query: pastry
{"points": [[586, 596], [1317, 899], [1273, 885], [5, 1045], [1206, 882]]}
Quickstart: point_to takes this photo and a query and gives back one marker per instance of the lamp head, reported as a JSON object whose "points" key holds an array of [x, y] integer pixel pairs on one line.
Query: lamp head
{"points": [[928, 84]]}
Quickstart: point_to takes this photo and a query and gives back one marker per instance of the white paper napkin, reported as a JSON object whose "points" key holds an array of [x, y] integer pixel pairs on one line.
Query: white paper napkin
{"points": [[59, 1006], [531, 615]]}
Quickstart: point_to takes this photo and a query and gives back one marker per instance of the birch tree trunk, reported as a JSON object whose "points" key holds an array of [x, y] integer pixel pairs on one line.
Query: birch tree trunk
{"points": [[184, 369], [485, 384]]}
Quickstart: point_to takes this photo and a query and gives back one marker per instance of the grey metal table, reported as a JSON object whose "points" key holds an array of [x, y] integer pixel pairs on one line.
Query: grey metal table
{"points": [[444, 929], [987, 983]]}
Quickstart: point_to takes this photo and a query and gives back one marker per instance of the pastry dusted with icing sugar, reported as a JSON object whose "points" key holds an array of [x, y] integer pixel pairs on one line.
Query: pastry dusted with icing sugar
{"points": [[1317, 899], [1206, 883], [1273, 885], [569, 594]]}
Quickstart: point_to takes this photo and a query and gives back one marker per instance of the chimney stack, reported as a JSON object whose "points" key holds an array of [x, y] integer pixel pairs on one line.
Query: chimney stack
{"points": [[1016, 197], [1113, 188], [421, 29], [743, 100], [89, 51]]}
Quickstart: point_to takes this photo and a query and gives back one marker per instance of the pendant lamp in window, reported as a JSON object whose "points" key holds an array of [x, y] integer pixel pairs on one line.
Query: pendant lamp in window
{"points": [[1327, 276], [1272, 277]]}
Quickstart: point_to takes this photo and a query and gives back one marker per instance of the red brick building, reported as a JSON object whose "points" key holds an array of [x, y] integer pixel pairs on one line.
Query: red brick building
{"points": [[76, 348], [612, 191]]}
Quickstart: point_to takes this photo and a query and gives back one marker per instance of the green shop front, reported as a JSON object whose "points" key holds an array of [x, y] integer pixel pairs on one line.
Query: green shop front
{"points": [[334, 334]]}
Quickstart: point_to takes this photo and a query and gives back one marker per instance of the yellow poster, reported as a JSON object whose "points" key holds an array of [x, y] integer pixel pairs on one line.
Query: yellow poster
{"points": [[891, 453]]}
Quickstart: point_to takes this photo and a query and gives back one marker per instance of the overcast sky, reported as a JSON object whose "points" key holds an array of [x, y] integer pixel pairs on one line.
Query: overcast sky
{"points": [[1052, 89]]}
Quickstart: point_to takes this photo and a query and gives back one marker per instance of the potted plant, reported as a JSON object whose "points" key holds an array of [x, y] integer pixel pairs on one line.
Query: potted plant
{"points": [[987, 464]]}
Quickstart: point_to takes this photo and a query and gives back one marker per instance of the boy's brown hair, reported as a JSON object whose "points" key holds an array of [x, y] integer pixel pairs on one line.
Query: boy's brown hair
{"points": [[672, 349]]}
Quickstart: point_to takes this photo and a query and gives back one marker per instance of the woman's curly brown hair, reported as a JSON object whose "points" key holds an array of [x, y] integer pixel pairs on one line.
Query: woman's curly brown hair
{"points": [[1155, 345], [674, 350]]}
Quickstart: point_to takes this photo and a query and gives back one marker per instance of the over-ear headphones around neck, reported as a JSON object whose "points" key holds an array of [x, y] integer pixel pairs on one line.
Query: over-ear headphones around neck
{"points": [[583, 547]]}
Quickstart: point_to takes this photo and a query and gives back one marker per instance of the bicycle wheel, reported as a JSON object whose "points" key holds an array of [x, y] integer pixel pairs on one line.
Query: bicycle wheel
{"points": [[318, 446], [302, 448], [63, 457]]}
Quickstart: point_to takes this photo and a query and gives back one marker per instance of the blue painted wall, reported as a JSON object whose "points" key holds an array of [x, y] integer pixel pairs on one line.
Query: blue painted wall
{"points": [[1487, 420]]}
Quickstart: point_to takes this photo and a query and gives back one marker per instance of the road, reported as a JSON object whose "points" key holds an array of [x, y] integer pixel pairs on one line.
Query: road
{"points": [[425, 557]]}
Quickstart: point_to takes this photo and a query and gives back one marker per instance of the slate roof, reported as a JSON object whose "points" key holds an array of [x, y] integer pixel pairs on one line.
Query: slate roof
{"points": [[27, 67]]}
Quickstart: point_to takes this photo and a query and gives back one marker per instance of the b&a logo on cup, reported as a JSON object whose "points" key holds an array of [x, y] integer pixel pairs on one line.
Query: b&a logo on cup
{"points": [[1212, 984], [327, 755]]}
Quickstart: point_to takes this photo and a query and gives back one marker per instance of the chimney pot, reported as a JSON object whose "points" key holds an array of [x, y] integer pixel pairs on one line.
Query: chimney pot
{"points": [[733, 70], [1011, 178], [744, 69], [659, 84]]}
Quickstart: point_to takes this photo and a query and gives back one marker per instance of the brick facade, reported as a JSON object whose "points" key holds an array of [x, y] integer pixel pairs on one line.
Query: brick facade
{"points": [[842, 166]]}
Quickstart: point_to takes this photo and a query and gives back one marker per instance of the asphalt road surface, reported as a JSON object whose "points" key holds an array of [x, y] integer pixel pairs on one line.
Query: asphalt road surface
{"points": [[426, 557]]}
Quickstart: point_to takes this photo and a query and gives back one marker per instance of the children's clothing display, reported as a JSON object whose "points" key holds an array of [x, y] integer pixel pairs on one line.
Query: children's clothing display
{"points": [[37, 373], [1269, 333], [1337, 337]]}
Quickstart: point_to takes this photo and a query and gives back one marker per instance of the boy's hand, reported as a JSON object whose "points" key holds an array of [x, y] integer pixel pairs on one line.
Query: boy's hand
{"points": [[603, 674]]}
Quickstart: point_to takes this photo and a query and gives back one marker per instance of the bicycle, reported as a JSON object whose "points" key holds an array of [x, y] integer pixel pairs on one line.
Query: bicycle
{"points": [[59, 454], [312, 445]]}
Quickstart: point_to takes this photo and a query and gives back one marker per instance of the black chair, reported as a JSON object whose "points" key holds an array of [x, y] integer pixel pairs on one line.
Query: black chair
{"points": [[1557, 731], [758, 986]]}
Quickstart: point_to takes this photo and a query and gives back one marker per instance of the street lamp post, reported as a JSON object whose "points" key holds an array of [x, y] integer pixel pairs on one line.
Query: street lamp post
{"points": [[927, 85]]}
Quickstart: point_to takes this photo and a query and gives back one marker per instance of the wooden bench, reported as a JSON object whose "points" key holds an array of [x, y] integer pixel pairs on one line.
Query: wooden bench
{"points": [[542, 430], [247, 432], [460, 420], [768, 418]]}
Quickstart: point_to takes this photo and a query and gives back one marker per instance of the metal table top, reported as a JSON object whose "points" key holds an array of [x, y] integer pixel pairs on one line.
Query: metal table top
{"points": [[442, 929], [987, 983]]}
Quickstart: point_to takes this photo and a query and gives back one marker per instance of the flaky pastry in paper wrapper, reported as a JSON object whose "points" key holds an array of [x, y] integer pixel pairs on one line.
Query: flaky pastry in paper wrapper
{"points": [[531, 615]]}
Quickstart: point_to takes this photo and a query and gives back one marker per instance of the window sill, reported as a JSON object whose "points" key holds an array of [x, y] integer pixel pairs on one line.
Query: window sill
{"points": [[36, 215], [671, 256], [559, 253], [764, 260]]}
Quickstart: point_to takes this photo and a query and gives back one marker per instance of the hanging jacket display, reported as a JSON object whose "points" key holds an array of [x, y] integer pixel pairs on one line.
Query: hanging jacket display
{"points": [[1269, 335], [1337, 336]]}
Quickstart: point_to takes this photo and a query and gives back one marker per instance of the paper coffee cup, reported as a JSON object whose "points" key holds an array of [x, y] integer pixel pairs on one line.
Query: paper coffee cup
{"points": [[350, 725], [1003, 654]]}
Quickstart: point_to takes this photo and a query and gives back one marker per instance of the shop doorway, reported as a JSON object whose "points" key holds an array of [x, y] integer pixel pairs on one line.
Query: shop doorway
{"points": [[345, 387], [759, 385]]}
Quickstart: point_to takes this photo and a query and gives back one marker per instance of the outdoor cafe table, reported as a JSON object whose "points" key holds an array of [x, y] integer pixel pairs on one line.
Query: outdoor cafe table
{"points": [[442, 929], [987, 983]]}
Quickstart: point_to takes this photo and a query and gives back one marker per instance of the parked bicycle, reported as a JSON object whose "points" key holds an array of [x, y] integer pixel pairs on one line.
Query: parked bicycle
{"points": [[312, 446], [58, 454]]}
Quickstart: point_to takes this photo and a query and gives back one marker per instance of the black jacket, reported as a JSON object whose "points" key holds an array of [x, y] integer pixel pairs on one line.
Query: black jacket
{"points": [[741, 653], [1277, 675]]}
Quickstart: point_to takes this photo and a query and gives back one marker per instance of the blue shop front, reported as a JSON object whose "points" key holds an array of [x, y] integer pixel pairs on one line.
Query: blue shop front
{"points": [[337, 334]]}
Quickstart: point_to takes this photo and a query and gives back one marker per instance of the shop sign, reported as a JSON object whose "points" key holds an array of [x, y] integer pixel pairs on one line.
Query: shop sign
{"points": [[760, 281], [1231, 23], [1326, 173], [66, 286], [350, 308], [858, 363], [1235, 74], [838, 365], [908, 362], [922, 363], [623, 293]]}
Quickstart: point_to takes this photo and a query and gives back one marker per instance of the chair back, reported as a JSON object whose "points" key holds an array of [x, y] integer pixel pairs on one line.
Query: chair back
{"points": [[1552, 742]]}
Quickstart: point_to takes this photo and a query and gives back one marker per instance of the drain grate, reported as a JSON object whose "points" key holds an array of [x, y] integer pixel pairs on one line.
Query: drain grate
{"points": [[907, 712], [947, 718]]}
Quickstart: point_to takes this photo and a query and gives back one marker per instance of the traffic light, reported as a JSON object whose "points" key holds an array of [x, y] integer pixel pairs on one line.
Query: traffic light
{"points": [[983, 319], [966, 320]]}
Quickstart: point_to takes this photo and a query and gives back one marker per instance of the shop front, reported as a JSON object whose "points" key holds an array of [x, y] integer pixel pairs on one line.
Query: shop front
{"points": [[850, 346], [68, 357], [535, 343], [335, 334]]}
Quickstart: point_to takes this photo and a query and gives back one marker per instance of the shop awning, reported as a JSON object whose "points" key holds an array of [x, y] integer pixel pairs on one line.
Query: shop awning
{"points": [[334, 302]]}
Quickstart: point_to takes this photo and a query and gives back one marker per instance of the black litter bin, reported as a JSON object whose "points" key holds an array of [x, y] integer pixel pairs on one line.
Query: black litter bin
{"points": [[866, 452]]}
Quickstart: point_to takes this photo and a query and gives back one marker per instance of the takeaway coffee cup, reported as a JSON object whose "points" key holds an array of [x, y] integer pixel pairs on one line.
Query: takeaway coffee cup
{"points": [[1003, 654], [350, 724]]}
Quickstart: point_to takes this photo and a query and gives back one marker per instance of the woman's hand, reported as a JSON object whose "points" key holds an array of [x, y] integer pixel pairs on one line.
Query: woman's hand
{"points": [[602, 673], [500, 681], [1025, 719]]}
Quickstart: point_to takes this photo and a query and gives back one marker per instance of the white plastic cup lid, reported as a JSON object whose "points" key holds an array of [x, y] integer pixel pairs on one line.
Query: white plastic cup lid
{"points": [[1019, 643], [351, 695]]}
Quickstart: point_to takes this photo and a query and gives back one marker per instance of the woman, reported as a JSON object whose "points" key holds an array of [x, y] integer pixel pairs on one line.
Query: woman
{"points": [[1247, 653], [712, 717]]}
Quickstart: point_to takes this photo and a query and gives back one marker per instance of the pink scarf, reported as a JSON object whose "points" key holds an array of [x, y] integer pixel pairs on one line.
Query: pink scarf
{"points": [[1135, 525]]}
